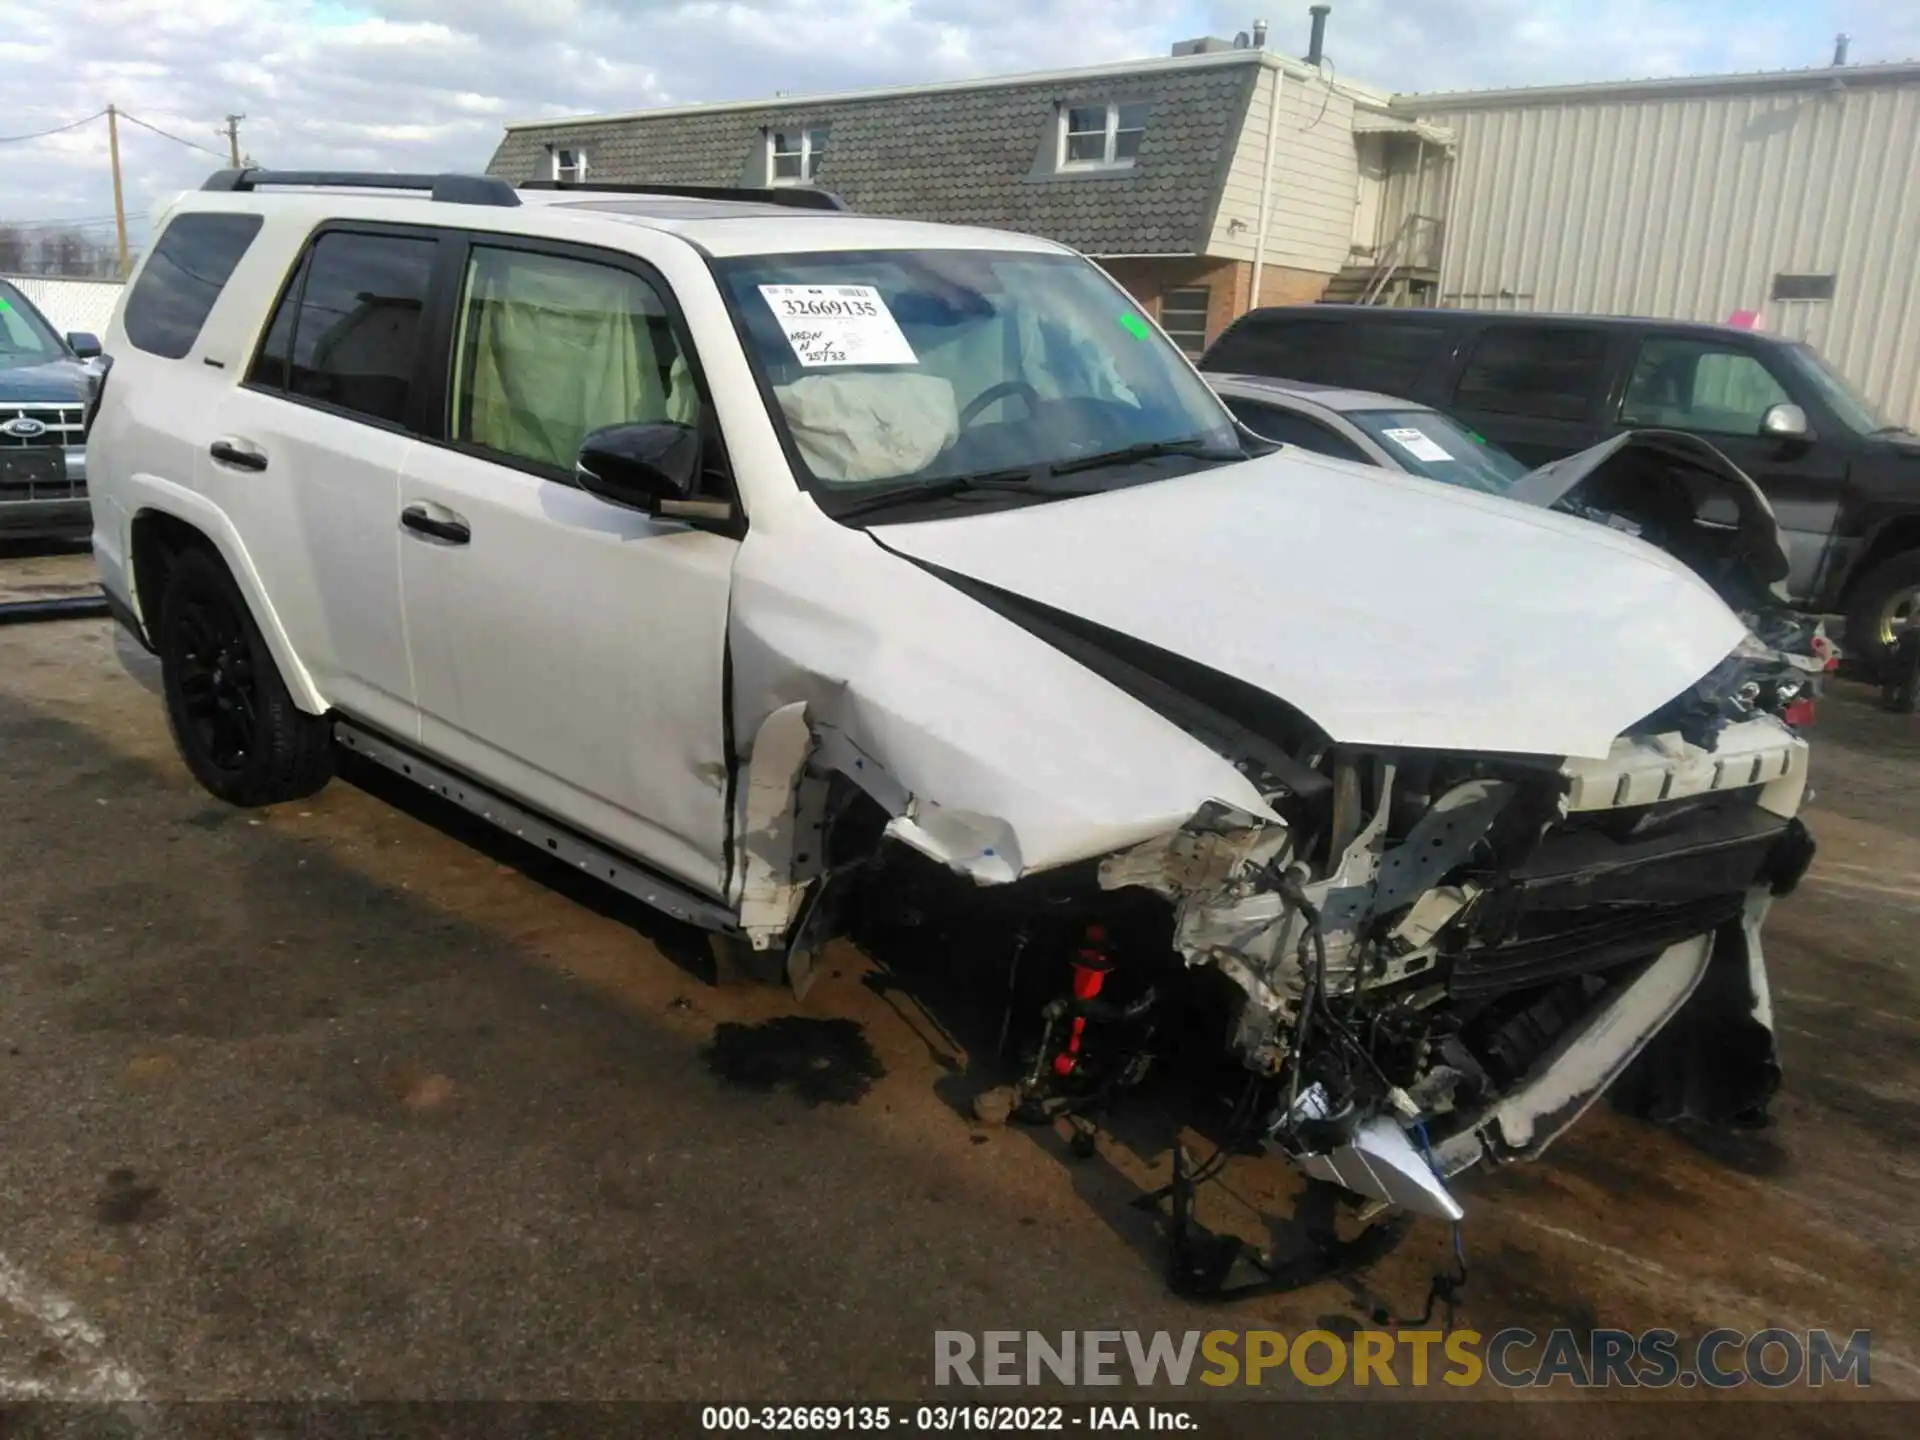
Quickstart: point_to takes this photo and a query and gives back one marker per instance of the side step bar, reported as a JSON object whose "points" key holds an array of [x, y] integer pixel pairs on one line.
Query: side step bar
{"points": [[64, 607], [605, 865]]}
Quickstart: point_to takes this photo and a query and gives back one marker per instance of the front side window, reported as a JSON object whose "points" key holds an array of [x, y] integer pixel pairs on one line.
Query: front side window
{"points": [[1101, 136], [1698, 385], [1547, 371], [550, 348], [190, 265], [24, 336], [794, 156], [347, 329], [1183, 315], [891, 368]]}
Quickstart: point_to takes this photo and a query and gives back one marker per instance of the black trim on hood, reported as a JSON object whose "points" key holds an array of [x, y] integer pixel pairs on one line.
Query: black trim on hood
{"points": [[1249, 728]]}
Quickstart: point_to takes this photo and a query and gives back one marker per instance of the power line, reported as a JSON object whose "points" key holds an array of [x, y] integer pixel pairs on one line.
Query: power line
{"points": [[57, 129], [165, 135]]}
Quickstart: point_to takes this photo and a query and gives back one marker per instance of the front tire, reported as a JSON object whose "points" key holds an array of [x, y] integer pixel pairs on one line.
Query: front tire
{"points": [[1886, 600], [235, 725]]}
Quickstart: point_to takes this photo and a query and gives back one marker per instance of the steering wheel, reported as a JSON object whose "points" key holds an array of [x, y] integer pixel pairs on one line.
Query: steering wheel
{"points": [[1000, 390]]}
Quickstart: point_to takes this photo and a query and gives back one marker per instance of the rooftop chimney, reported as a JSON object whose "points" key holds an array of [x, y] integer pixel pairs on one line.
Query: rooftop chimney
{"points": [[1259, 34], [1317, 41], [1840, 49]]}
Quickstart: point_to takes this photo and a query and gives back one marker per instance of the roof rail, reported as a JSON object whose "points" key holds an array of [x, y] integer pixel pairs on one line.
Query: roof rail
{"points": [[450, 189], [795, 197]]}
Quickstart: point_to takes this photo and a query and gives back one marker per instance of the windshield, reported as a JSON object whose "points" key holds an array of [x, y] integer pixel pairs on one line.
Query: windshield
{"points": [[908, 367], [1425, 442], [24, 336], [1855, 412]]}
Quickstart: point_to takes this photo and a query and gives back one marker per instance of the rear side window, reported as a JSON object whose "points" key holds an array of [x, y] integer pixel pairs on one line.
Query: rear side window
{"points": [[1381, 355], [347, 329], [1548, 371], [190, 265]]}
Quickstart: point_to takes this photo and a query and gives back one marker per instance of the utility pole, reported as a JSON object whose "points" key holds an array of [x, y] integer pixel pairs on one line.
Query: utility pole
{"points": [[119, 202], [233, 139]]}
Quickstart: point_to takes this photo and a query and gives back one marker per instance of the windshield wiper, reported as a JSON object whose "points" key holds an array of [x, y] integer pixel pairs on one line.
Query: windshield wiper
{"points": [[1193, 445], [1016, 480]]}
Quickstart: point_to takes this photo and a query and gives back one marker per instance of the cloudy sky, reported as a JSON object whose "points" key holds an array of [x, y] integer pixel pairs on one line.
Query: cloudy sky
{"points": [[426, 84]]}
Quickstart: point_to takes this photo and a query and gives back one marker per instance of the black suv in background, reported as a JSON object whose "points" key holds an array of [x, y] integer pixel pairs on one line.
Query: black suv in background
{"points": [[1844, 484], [46, 399]]}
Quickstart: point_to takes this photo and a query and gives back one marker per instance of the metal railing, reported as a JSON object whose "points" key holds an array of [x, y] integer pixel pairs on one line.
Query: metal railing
{"points": [[1404, 250]]}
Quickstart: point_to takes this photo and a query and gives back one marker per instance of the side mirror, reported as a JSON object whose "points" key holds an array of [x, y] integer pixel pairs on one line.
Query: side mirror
{"points": [[652, 468], [1785, 422], [85, 345]]}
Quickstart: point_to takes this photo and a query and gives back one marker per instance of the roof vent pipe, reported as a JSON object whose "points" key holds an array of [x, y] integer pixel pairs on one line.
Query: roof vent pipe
{"points": [[1259, 34], [1840, 42], [1317, 40]]}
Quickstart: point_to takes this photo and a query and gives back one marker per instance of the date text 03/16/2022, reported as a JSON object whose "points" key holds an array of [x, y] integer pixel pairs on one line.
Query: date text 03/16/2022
{"points": [[946, 1419]]}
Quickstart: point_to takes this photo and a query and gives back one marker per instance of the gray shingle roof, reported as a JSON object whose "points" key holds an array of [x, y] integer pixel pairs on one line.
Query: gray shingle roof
{"points": [[978, 156]]}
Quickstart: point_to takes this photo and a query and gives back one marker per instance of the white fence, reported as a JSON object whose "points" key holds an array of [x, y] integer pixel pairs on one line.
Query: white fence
{"points": [[69, 304]]}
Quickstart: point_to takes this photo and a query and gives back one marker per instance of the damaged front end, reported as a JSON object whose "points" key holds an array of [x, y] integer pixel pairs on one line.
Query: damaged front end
{"points": [[1449, 958]]}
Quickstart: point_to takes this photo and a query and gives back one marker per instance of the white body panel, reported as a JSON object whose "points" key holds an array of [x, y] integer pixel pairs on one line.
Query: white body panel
{"points": [[1391, 611], [322, 528], [572, 654]]}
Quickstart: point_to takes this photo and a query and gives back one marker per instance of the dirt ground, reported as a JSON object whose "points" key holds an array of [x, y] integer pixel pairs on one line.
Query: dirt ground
{"points": [[344, 1099]]}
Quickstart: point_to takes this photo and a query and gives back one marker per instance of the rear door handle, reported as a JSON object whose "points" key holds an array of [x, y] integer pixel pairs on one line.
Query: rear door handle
{"points": [[449, 528], [238, 456]]}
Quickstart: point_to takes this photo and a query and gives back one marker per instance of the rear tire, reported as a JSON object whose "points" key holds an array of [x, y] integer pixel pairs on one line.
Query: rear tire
{"points": [[1886, 598], [235, 725]]}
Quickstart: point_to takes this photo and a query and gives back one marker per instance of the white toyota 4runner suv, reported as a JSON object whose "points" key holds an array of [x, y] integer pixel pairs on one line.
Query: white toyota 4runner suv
{"points": [[753, 555]]}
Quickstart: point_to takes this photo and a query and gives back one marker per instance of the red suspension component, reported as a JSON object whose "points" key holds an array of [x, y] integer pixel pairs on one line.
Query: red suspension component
{"points": [[1091, 962]]}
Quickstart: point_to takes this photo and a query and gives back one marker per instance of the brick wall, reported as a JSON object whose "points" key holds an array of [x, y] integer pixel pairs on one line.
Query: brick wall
{"points": [[1228, 284]]}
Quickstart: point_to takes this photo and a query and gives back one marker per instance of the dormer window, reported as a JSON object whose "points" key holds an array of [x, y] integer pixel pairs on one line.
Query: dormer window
{"points": [[1101, 137], [794, 156], [569, 165]]}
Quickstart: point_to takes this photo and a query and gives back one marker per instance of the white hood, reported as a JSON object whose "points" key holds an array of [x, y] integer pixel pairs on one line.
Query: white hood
{"points": [[1392, 611]]}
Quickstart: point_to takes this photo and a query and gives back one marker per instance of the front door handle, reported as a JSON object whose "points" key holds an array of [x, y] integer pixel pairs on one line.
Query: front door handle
{"points": [[238, 456], [450, 528]]}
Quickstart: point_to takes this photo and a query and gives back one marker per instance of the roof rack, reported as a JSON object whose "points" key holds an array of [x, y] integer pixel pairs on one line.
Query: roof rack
{"points": [[792, 196], [450, 189]]}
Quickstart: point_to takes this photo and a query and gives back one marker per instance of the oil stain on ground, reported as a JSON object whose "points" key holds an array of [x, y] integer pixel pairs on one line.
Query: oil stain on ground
{"points": [[821, 1061]]}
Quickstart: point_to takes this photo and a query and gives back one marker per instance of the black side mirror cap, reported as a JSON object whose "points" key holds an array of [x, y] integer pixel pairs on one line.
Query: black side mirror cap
{"points": [[653, 468], [84, 344]]}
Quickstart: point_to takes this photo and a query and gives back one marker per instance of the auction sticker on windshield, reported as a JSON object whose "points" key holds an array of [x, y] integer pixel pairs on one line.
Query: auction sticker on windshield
{"points": [[1416, 443], [838, 325]]}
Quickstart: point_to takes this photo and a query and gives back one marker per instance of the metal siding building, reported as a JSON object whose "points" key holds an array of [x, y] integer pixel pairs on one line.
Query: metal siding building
{"points": [[1686, 198]]}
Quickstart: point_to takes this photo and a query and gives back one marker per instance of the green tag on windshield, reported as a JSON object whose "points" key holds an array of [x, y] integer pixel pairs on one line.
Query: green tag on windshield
{"points": [[1136, 327]]}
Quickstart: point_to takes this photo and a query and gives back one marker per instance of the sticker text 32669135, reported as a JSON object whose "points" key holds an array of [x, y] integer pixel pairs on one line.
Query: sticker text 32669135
{"points": [[838, 325]]}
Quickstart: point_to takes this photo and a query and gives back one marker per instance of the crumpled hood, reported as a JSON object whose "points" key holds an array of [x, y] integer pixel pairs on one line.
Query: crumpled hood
{"points": [[1391, 611], [1738, 550]]}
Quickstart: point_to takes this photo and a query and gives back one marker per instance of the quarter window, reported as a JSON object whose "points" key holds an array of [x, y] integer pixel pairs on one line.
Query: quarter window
{"points": [[794, 156], [189, 267], [347, 330], [1101, 136], [1547, 371], [1288, 427], [551, 348], [1697, 385], [1183, 315]]}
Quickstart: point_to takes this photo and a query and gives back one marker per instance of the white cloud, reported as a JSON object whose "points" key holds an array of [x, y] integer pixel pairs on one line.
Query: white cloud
{"points": [[426, 84]]}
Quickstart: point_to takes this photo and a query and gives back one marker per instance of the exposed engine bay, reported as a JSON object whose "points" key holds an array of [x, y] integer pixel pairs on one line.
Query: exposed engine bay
{"points": [[1437, 905]]}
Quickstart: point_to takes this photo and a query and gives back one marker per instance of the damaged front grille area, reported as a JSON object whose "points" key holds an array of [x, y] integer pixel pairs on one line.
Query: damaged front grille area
{"points": [[1480, 944]]}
